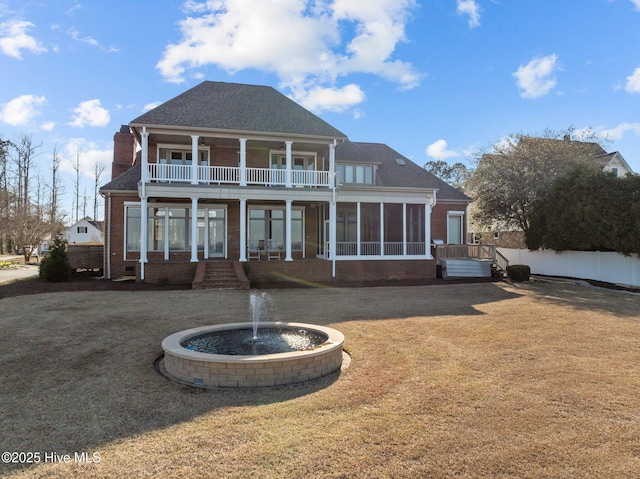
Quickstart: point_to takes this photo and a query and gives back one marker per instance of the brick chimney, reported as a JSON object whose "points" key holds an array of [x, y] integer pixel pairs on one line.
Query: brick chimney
{"points": [[124, 151]]}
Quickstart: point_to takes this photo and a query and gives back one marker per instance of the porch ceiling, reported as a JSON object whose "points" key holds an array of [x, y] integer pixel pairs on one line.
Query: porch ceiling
{"points": [[226, 142]]}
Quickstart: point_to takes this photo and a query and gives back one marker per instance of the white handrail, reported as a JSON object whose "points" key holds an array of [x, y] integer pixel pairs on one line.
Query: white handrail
{"points": [[217, 175]]}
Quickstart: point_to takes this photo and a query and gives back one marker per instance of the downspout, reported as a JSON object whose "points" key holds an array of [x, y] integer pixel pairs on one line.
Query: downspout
{"points": [[143, 200], [107, 252], [332, 209]]}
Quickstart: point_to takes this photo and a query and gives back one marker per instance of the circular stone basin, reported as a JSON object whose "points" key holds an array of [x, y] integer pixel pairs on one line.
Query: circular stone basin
{"points": [[238, 361]]}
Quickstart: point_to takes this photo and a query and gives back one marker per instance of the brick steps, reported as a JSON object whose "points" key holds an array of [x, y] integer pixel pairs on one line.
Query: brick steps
{"points": [[220, 275]]}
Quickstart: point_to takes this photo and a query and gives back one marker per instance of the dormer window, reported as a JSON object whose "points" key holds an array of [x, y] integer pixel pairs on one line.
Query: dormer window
{"points": [[355, 174]]}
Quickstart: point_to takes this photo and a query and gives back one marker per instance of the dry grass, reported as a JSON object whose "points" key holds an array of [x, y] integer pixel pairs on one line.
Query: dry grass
{"points": [[538, 380]]}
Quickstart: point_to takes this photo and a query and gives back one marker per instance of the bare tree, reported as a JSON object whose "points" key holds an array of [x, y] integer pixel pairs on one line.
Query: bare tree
{"points": [[55, 186], [520, 168], [76, 184], [5, 195], [98, 170], [84, 203], [25, 153]]}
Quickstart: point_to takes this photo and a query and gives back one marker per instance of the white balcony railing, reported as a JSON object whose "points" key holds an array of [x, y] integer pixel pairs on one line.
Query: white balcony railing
{"points": [[372, 248], [227, 175]]}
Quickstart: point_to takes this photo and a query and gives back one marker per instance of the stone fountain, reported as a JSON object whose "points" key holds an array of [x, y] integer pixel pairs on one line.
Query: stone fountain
{"points": [[260, 353]]}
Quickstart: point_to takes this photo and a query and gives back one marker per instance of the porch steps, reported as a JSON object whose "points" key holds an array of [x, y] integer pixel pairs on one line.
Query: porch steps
{"points": [[466, 268], [220, 274]]}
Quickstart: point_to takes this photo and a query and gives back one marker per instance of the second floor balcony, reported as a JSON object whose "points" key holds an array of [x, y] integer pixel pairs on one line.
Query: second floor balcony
{"points": [[227, 175]]}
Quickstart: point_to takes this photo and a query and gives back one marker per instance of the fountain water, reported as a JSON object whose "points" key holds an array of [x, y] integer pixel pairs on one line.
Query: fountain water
{"points": [[261, 305], [240, 355]]}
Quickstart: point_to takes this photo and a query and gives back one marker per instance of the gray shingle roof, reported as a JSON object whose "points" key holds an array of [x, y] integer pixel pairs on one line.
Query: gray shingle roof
{"points": [[392, 174], [237, 107], [564, 149], [127, 181]]}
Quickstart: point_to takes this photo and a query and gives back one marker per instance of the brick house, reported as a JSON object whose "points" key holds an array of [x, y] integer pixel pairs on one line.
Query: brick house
{"points": [[278, 193]]}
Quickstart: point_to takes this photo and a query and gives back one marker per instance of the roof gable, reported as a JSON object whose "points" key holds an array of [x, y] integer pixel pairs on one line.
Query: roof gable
{"points": [[392, 173], [237, 107]]}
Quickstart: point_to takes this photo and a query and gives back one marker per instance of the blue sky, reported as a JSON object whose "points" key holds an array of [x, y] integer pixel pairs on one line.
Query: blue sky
{"points": [[433, 79]]}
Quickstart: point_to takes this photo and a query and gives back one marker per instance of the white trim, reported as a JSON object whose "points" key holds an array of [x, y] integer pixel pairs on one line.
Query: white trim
{"points": [[383, 258], [194, 230], [243, 230], [287, 231]]}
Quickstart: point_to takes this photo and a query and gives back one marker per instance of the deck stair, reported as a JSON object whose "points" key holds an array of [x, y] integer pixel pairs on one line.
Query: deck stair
{"points": [[220, 274], [470, 261], [466, 268]]}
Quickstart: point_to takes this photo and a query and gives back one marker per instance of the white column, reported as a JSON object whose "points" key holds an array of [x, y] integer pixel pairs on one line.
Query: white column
{"points": [[332, 236], [144, 224], [194, 230], [289, 169], [194, 160], [243, 230], [332, 164], [145, 159], [358, 233], [287, 255], [243, 163], [427, 228], [381, 229], [404, 229]]}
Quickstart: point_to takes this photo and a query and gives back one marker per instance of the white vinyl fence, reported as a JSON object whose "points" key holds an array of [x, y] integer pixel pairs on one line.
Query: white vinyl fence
{"points": [[595, 265]]}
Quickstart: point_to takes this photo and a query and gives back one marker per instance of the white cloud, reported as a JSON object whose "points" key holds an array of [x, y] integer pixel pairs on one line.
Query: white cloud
{"points": [[331, 99], [90, 113], [633, 81], [151, 106], [536, 78], [617, 132], [470, 8], [48, 126], [21, 110], [439, 151], [636, 3], [308, 44], [14, 39], [75, 34]]}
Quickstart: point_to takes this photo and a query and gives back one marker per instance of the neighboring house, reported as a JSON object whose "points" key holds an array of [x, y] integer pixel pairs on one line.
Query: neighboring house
{"points": [[270, 181], [588, 152], [614, 163], [84, 231], [569, 150]]}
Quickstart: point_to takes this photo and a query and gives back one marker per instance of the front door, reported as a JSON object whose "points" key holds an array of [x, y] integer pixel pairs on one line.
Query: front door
{"points": [[216, 234]]}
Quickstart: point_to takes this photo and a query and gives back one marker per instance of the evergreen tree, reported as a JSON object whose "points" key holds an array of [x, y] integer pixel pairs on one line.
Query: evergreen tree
{"points": [[55, 266]]}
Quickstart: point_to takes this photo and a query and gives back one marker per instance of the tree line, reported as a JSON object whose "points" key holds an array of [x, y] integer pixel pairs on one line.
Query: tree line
{"points": [[30, 206]]}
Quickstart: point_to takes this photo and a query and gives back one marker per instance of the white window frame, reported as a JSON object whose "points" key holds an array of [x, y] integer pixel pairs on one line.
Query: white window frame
{"points": [[184, 150], [166, 250], [284, 219]]}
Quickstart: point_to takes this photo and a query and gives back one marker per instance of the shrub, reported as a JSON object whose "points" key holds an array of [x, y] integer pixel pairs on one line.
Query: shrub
{"points": [[518, 272], [55, 266]]}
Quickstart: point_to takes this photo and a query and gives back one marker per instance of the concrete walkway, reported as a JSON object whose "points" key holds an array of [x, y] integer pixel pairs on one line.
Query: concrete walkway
{"points": [[18, 272]]}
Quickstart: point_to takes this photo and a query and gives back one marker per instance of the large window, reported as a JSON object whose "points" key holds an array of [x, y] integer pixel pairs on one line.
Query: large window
{"points": [[355, 174], [179, 156], [298, 162], [132, 228], [269, 224], [169, 229]]}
